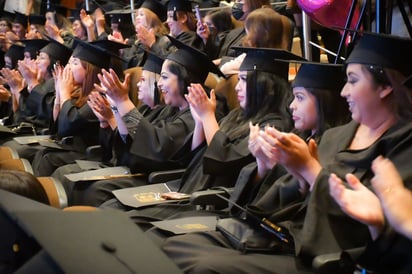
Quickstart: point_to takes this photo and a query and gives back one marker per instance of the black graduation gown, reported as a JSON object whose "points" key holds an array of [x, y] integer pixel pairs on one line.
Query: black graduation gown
{"points": [[156, 146], [78, 122], [215, 165], [233, 39], [318, 226], [36, 109]]}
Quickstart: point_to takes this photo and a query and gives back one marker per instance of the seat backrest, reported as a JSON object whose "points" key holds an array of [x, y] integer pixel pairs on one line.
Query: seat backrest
{"points": [[16, 164], [8, 153], [226, 87], [55, 191], [135, 75]]}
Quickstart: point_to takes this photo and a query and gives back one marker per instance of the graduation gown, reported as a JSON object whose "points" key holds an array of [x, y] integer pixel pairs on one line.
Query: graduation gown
{"points": [[318, 226], [78, 122], [217, 164], [157, 145], [36, 107]]}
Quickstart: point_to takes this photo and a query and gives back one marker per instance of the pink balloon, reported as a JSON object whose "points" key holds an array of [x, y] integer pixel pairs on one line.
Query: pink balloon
{"points": [[329, 13]]}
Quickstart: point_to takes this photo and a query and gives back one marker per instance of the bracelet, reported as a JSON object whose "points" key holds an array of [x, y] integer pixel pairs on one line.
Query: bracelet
{"points": [[114, 109]]}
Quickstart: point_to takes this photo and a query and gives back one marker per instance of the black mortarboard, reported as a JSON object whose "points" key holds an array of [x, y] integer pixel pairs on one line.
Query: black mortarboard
{"points": [[263, 59], [383, 50], [20, 18], [110, 46], [153, 63], [34, 45], [15, 52], [62, 10], [197, 63], [37, 19], [179, 5], [92, 54], [119, 15], [156, 7], [57, 51], [320, 76], [6, 15], [93, 242]]}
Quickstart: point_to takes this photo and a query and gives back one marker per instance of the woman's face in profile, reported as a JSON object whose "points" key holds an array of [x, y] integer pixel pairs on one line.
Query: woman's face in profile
{"points": [[241, 89], [169, 85], [363, 96], [303, 107], [146, 88]]}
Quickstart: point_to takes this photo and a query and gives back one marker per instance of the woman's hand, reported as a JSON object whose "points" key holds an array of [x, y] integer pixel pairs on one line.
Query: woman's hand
{"points": [[146, 36], [358, 202], [14, 79], [30, 73], [255, 145], [292, 152], [100, 106], [200, 102], [396, 200], [4, 94], [203, 31], [66, 84], [111, 85]]}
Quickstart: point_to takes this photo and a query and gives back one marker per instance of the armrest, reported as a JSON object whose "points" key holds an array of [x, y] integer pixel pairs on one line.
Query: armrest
{"points": [[158, 177], [208, 198], [339, 262], [68, 140], [94, 152]]}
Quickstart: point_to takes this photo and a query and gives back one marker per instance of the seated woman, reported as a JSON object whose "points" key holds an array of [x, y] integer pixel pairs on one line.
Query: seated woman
{"points": [[386, 211], [72, 115], [381, 113], [316, 107], [114, 137], [150, 34], [160, 144], [222, 147], [265, 28]]}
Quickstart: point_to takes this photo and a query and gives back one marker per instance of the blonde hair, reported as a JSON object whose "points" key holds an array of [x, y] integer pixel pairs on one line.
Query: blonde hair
{"points": [[153, 21]]}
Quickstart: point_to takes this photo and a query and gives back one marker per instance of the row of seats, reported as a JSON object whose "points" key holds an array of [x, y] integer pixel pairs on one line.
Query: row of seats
{"points": [[9, 159]]}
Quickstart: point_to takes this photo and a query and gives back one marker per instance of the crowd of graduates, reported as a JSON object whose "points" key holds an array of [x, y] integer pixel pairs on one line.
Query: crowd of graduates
{"points": [[319, 158]]}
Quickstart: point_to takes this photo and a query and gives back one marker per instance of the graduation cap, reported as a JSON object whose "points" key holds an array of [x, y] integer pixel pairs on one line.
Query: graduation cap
{"points": [[157, 8], [179, 5], [34, 45], [268, 59], [62, 10], [383, 50], [93, 242], [37, 19], [320, 76], [197, 63], [6, 15], [153, 63], [20, 18], [57, 51], [92, 53], [110, 46], [119, 15], [15, 52]]}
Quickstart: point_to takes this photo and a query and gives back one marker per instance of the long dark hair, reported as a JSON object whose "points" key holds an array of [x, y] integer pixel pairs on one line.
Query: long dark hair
{"points": [[400, 98], [331, 109], [184, 78], [266, 93]]}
